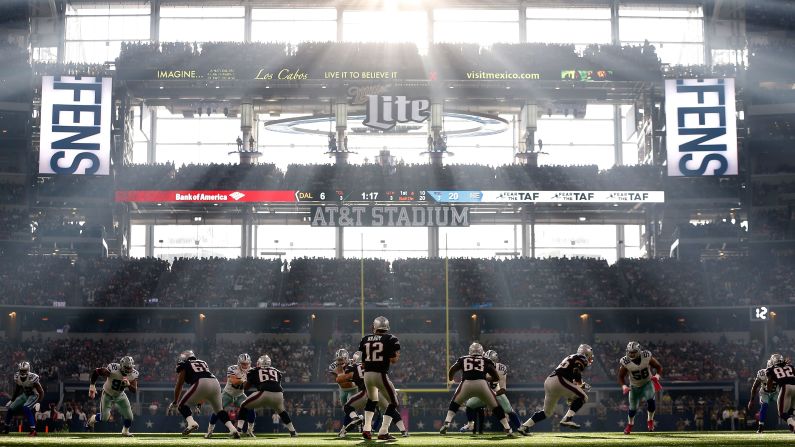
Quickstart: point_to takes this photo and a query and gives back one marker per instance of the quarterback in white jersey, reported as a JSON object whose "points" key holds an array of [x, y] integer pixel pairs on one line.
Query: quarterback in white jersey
{"points": [[118, 377], [637, 364], [234, 390]]}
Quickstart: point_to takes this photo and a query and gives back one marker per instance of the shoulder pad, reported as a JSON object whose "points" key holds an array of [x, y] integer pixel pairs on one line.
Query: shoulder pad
{"points": [[232, 369], [33, 378], [114, 367], [134, 374], [762, 375], [645, 354], [624, 360], [502, 367]]}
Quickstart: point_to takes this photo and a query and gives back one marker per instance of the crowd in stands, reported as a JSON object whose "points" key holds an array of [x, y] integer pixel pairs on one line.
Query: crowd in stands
{"points": [[415, 283], [773, 223], [709, 230], [71, 69], [15, 74], [449, 61], [12, 194]]}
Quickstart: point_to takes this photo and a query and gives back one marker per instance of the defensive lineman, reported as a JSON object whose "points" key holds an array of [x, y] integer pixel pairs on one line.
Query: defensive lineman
{"points": [[564, 382], [637, 365], [781, 372], [204, 387], [27, 393], [500, 388], [380, 349], [233, 390], [346, 388], [118, 378], [268, 382], [767, 395], [476, 370]]}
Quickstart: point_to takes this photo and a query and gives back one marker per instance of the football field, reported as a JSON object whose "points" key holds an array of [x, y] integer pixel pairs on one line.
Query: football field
{"points": [[421, 439]]}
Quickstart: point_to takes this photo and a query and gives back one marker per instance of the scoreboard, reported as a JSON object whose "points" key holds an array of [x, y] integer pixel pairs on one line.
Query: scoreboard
{"points": [[407, 196]]}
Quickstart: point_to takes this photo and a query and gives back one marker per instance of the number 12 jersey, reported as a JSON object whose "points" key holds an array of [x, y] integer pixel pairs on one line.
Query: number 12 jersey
{"points": [[376, 350]]}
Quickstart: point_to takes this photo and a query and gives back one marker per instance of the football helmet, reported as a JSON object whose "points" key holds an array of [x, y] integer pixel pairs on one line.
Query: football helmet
{"points": [[492, 355], [264, 361], [357, 357], [244, 361], [587, 351], [381, 324], [127, 364], [23, 369], [342, 356], [776, 359], [633, 349], [187, 355], [475, 349]]}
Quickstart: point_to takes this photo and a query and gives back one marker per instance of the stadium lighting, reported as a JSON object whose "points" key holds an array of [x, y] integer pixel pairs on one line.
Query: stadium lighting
{"points": [[584, 317], [202, 317], [583, 218], [474, 316], [12, 315], [313, 316]]}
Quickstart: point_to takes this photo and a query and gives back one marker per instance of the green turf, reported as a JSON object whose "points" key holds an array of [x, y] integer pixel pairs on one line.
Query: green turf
{"points": [[420, 439]]}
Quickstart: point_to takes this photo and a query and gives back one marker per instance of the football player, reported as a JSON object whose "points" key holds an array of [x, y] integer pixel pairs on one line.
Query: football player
{"points": [[565, 381], [27, 393], [346, 387], [380, 350], [233, 390], [355, 373], [767, 395], [268, 382], [477, 372], [118, 378], [204, 387], [637, 364], [474, 406], [781, 373]]}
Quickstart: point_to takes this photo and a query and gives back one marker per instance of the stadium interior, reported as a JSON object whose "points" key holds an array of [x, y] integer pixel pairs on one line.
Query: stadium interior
{"points": [[269, 176]]}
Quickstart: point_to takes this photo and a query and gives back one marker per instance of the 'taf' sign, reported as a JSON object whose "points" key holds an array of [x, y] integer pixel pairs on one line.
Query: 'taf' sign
{"points": [[701, 128], [75, 125], [383, 112]]}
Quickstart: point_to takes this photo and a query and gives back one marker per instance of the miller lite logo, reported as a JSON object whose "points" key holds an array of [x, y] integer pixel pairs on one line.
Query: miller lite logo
{"points": [[75, 125], [384, 112]]}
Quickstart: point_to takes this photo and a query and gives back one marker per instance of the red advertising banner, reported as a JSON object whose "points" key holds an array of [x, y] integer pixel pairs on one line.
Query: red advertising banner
{"points": [[191, 196]]}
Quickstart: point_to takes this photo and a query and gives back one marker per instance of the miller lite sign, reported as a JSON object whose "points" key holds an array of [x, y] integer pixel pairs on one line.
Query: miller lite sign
{"points": [[75, 125], [701, 127], [384, 112]]}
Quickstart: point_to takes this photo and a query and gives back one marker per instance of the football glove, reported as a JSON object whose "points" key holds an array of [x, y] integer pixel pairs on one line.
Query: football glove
{"points": [[92, 391], [655, 381], [625, 389], [172, 409], [585, 386]]}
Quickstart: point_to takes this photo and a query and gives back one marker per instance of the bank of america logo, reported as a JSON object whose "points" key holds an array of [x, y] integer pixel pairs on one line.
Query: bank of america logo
{"points": [[237, 195]]}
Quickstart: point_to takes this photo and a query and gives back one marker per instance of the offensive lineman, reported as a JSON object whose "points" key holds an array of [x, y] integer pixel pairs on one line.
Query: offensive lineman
{"points": [[476, 370], [233, 390], [565, 381], [118, 377], [767, 395], [346, 387], [474, 406], [204, 387], [380, 350], [781, 372], [637, 365], [27, 393], [268, 382]]}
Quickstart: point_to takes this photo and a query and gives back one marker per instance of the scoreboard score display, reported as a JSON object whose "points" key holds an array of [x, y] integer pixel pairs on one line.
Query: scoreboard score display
{"points": [[360, 196]]}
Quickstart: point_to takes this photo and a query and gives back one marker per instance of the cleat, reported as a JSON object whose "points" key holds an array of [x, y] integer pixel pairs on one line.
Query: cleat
{"points": [[367, 435], [524, 430], [568, 422], [342, 434], [208, 435], [466, 429], [404, 434], [386, 437], [293, 434], [235, 434], [353, 423], [509, 433], [126, 432], [32, 433], [761, 429], [628, 429], [250, 434], [650, 425], [190, 429], [443, 430], [91, 421]]}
